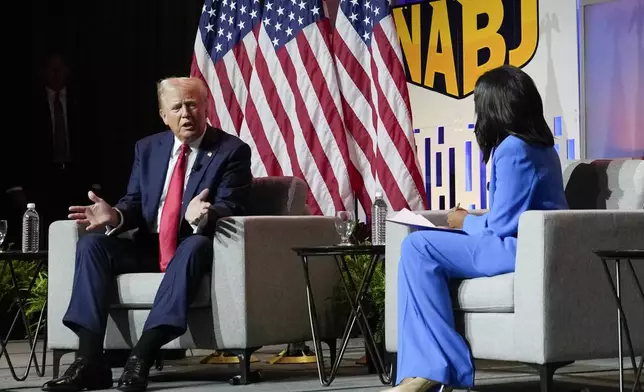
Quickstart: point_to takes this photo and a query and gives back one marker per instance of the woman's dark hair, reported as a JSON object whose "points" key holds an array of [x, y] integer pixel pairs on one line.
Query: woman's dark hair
{"points": [[507, 102]]}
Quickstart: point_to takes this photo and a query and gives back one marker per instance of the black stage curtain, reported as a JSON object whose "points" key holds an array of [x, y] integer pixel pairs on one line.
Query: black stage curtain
{"points": [[117, 51]]}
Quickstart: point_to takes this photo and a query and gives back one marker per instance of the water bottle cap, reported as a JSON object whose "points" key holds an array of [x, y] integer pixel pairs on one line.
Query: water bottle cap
{"points": [[31, 205], [378, 194]]}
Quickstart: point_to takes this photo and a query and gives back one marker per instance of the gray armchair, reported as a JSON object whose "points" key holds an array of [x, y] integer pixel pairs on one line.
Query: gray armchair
{"points": [[254, 297], [557, 306]]}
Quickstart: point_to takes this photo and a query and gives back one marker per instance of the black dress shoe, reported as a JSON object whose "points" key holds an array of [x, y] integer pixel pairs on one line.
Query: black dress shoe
{"points": [[82, 374], [135, 375]]}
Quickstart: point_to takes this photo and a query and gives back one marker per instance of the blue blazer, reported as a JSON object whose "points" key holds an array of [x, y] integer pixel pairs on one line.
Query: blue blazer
{"points": [[523, 177], [222, 165]]}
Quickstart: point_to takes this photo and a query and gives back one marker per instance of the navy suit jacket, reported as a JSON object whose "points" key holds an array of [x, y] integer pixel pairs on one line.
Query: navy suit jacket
{"points": [[222, 165]]}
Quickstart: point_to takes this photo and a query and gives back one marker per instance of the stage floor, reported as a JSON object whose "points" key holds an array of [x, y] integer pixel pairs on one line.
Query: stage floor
{"points": [[187, 375]]}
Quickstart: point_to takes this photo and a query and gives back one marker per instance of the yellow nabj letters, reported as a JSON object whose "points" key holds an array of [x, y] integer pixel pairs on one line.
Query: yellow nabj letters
{"points": [[443, 61], [476, 39], [462, 39]]}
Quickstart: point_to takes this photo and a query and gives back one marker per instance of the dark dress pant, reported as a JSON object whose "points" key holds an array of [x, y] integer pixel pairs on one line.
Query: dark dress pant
{"points": [[100, 258]]}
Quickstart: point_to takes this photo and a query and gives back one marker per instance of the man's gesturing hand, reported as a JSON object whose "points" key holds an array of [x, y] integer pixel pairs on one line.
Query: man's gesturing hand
{"points": [[198, 208], [96, 215]]}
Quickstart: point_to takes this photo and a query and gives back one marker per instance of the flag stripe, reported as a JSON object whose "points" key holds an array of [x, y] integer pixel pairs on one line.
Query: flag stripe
{"points": [[397, 124], [329, 129], [229, 96], [363, 180], [268, 78], [360, 107], [269, 161], [258, 121], [212, 114], [302, 123], [357, 86], [388, 136], [387, 31]]}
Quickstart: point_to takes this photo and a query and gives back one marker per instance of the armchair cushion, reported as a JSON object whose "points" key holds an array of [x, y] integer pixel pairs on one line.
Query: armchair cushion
{"points": [[138, 291], [484, 295]]}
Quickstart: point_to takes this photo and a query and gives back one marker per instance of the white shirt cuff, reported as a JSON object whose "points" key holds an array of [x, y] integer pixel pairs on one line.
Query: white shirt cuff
{"points": [[109, 229]]}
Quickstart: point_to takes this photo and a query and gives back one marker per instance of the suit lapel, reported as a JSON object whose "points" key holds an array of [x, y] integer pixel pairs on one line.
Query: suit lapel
{"points": [[159, 169], [207, 150]]}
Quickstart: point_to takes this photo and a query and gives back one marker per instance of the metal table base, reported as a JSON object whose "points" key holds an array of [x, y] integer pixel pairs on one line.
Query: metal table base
{"points": [[622, 322], [9, 258], [355, 298]]}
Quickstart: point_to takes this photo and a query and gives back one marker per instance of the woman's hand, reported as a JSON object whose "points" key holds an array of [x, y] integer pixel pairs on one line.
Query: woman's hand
{"points": [[456, 218]]}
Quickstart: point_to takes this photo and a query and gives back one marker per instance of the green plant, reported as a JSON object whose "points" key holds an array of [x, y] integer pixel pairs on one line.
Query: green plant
{"points": [[34, 300]]}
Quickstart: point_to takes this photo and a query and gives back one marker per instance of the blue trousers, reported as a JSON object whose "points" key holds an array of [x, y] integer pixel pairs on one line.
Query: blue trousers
{"points": [[100, 258], [428, 344]]}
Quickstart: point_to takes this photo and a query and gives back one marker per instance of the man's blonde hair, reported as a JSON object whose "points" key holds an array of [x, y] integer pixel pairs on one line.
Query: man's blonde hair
{"points": [[172, 82]]}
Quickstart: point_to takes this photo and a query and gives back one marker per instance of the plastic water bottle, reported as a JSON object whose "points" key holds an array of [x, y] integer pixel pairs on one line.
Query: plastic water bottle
{"points": [[30, 229], [378, 218]]}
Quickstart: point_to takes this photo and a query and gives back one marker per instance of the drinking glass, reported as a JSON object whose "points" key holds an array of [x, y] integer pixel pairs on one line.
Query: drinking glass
{"points": [[3, 231], [345, 222]]}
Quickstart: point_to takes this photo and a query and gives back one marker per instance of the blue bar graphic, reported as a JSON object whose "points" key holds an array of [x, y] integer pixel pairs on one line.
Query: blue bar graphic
{"points": [[428, 171], [483, 183], [441, 202], [470, 126], [558, 129], [452, 177], [571, 149], [439, 169], [416, 130], [468, 166], [557, 148], [441, 135], [472, 206]]}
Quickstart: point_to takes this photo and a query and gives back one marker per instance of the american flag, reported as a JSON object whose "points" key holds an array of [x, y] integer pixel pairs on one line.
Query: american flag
{"points": [[223, 55], [274, 84], [273, 81], [376, 106]]}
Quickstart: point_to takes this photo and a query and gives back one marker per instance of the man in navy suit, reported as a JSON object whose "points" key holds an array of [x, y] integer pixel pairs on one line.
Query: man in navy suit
{"points": [[182, 181]]}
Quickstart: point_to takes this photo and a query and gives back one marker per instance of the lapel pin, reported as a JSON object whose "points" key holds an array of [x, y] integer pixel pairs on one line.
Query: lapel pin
{"points": [[210, 153]]}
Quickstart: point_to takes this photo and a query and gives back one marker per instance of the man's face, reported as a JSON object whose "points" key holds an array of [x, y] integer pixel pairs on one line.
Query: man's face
{"points": [[55, 72], [183, 110]]}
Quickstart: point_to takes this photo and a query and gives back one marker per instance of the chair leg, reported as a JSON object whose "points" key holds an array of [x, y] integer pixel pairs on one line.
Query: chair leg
{"points": [[333, 348], [57, 356], [547, 372], [394, 368], [247, 376], [159, 361]]}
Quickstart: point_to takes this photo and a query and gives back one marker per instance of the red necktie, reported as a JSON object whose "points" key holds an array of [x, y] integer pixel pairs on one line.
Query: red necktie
{"points": [[169, 228]]}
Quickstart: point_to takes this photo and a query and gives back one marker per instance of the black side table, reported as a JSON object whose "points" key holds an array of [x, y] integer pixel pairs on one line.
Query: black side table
{"points": [[623, 257], [355, 298], [7, 259]]}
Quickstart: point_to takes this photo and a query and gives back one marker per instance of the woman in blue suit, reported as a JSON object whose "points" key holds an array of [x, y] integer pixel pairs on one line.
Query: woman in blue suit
{"points": [[525, 175]]}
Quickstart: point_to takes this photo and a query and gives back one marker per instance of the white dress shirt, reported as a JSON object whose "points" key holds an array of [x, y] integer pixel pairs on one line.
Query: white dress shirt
{"points": [[174, 157]]}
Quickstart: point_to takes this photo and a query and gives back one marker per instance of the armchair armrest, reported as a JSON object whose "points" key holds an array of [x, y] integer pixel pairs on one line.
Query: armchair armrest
{"points": [[63, 236], [258, 278], [564, 308]]}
